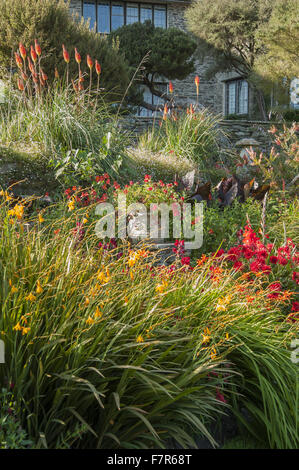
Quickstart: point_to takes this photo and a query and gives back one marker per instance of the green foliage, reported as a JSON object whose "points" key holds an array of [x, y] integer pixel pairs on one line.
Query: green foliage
{"points": [[193, 136], [168, 52], [12, 436], [230, 28], [51, 24], [280, 37], [228, 31]]}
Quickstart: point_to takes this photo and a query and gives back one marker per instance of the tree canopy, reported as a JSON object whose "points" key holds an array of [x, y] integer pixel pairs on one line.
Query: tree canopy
{"points": [[166, 53], [280, 38], [228, 29]]}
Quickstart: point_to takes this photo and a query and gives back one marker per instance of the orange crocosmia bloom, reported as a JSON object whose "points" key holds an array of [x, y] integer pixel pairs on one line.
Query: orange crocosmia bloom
{"points": [[77, 56], [33, 54], [22, 51], [38, 49], [89, 61], [90, 321], [98, 68], [170, 87], [17, 327], [18, 60], [65, 54]]}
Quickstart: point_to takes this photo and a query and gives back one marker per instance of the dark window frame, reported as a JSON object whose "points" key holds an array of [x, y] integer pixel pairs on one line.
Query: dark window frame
{"points": [[125, 3], [237, 82]]}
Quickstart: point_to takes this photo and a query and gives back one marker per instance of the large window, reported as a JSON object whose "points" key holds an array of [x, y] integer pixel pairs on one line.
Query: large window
{"points": [[237, 93], [110, 15]]}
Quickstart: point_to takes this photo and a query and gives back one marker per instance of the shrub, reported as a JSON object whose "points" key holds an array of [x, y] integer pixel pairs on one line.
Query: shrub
{"points": [[192, 135], [113, 351], [51, 23]]}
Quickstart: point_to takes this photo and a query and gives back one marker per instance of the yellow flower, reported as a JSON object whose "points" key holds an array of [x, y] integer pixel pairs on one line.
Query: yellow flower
{"points": [[39, 288], [40, 218], [85, 220], [126, 300], [221, 306], [90, 321], [6, 195], [19, 211], [71, 205], [30, 297], [162, 287], [103, 277], [98, 313], [87, 301], [25, 330], [139, 339], [227, 336], [213, 353], [17, 327], [133, 258]]}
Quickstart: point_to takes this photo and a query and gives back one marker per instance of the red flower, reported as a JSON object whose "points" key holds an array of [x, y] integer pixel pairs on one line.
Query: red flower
{"points": [[98, 68], [275, 286], [20, 84], [33, 54], [295, 307], [22, 51], [77, 56], [18, 60], [37, 48], [170, 87], [238, 266], [273, 259], [185, 260], [295, 277], [89, 62], [65, 54]]}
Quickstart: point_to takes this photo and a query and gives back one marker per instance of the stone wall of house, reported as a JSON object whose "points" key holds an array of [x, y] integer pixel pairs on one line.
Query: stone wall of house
{"points": [[210, 91]]}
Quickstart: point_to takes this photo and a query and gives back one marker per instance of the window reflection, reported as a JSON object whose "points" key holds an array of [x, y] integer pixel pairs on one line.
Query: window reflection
{"points": [[89, 12], [104, 18], [132, 14], [108, 15]]}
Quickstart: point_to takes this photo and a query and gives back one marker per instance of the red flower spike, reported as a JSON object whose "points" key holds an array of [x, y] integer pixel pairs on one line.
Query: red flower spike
{"points": [[33, 54], [98, 68], [65, 54], [18, 60], [23, 51], [77, 56], [20, 84], [38, 49], [170, 87], [89, 62]]}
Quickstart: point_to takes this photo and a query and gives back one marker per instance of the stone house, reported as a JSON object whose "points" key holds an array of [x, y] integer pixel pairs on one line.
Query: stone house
{"points": [[226, 94]]}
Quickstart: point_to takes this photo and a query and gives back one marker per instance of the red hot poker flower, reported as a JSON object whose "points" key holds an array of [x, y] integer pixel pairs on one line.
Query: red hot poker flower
{"points": [[44, 76], [18, 60], [98, 68], [22, 51], [33, 54], [38, 49], [65, 54], [20, 84], [89, 62], [77, 56]]}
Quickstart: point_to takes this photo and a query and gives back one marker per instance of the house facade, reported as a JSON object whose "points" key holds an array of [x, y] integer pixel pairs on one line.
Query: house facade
{"points": [[226, 94]]}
